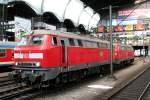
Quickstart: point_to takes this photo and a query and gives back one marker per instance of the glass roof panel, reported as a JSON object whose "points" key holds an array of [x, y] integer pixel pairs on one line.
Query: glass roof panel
{"points": [[94, 21], [85, 17], [73, 10], [55, 6]]}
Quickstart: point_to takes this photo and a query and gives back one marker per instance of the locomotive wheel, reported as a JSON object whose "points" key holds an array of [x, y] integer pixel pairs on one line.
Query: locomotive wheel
{"points": [[84, 73]]}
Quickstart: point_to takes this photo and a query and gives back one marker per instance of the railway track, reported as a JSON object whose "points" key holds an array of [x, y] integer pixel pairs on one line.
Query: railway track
{"points": [[9, 90], [15, 91], [135, 89], [4, 81]]}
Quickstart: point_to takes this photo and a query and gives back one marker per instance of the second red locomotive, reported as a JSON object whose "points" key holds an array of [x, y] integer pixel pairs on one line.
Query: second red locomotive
{"points": [[52, 56]]}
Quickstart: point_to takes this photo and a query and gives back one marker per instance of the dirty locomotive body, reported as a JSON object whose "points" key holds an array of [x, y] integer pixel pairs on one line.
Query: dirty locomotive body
{"points": [[55, 57]]}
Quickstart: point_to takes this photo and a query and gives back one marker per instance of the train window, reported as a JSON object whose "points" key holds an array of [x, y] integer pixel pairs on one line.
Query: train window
{"points": [[23, 41], [37, 40], [107, 45], [80, 42], [62, 42], [123, 48], [12, 53], [54, 41], [87, 43], [71, 42], [98, 44], [94, 44], [102, 45], [2, 52]]}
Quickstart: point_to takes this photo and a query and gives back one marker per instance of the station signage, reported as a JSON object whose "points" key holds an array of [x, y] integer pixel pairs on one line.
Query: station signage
{"points": [[134, 12], [118, 28], [139, 26], [101, 29], [129, 27]]}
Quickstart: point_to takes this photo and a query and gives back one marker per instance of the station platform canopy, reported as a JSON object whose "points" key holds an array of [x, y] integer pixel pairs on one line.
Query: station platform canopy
{"points": [[75, 13]]}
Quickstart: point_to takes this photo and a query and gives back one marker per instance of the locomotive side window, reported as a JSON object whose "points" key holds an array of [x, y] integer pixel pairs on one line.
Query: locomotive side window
{"points": [[71, 42], [37, 40], [64, 41], [80, 43], [123, 48], [94, 44], [12, 53], [87, 43], [54, 41], [103, 45], [2, 53]]}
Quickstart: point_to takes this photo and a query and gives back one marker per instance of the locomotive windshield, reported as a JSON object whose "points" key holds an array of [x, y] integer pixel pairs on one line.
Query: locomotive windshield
{"points": [[31, 40], [36, 40], [23, 41]]}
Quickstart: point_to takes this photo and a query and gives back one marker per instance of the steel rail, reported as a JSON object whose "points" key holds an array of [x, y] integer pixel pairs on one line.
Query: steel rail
{"points": [[144, 91], [130, 82], [16, 93]]}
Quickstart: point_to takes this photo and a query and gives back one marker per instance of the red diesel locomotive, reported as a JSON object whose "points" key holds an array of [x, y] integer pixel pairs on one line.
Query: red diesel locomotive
{"points": [[6, 54], [52, 56]]}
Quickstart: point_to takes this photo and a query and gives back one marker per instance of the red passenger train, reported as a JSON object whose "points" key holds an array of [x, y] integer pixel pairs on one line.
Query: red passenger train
{"points": [[61, 56], [6, 54]]}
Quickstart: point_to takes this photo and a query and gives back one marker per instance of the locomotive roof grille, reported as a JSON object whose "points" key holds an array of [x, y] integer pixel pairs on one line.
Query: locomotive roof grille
{"points": [[70, 35]]}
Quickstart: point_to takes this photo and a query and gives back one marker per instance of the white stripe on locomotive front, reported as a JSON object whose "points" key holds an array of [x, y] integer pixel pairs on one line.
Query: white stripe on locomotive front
{"points": [[36, 55], [18, 55]]}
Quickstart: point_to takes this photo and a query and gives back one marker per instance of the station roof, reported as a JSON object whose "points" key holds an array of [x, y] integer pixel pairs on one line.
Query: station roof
{"points": [[101, 6], [73, 12]]}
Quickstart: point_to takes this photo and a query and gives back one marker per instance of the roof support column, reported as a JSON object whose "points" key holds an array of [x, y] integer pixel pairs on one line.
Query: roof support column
{"points": [[66, 9], [42, 5], [80, 15], [111, 44], [90, 20]]}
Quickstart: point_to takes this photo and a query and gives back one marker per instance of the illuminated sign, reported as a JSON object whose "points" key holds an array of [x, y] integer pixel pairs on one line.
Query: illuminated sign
{"points": [[134, 12], [128, 27], [139, 26], [118, 28], [101, 29]]}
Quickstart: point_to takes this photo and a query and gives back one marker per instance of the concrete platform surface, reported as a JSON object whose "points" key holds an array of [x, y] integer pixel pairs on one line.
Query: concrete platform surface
{"points": [[95, 89]]}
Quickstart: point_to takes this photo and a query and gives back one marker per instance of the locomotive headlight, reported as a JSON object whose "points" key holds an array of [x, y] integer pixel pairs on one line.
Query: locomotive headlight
{"points": [[38, 64], [16, 63]]}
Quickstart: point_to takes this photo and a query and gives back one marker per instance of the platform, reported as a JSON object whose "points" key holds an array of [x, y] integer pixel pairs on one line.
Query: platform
{"points": [[97, 88]]}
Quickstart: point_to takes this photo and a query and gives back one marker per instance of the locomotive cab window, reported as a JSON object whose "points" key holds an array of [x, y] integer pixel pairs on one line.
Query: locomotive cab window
{"points": [[37, 40], [2, 53], [54, 41], [23, 41]]}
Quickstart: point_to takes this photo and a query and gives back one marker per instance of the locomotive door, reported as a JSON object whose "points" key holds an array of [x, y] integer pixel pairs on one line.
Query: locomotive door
{"points": [[64, 44]]}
